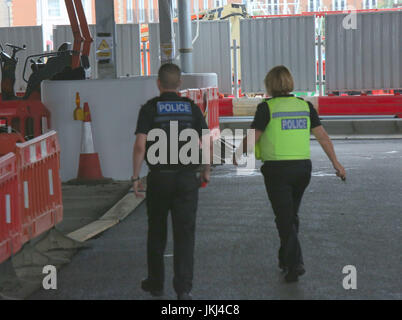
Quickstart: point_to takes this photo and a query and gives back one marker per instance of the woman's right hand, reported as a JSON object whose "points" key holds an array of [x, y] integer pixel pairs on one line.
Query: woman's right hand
{"points": [[340, 170]]}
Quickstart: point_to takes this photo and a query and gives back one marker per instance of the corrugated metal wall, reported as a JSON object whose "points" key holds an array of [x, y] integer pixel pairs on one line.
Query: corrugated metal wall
{"points": [[265, 43], [211, 53], [368, 57], [127, 48], [30, 36]]}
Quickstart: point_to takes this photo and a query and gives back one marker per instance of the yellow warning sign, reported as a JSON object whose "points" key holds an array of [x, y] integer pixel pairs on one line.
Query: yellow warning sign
{"points": [[104, 48], [104, 45]]}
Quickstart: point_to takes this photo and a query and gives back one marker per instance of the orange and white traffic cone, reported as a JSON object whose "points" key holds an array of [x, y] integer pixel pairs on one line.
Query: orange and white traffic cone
{"points": [[89, 166]]}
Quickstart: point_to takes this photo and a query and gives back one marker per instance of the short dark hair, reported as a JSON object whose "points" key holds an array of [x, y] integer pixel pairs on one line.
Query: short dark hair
{"points": [[169, 76]]}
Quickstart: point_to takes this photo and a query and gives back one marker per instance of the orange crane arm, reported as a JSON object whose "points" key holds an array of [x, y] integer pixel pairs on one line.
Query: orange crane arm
{"points": [[86, 33], [80, 29]]}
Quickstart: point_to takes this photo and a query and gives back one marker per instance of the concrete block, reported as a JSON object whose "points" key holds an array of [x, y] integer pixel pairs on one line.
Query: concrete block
{"points": [[376, 127], [338, 126]]}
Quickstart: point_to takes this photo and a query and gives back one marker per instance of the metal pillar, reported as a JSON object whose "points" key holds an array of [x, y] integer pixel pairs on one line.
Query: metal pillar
{"points": [[105, 39], [167, 45], [320, 71], [186, 45], [236, 70]]}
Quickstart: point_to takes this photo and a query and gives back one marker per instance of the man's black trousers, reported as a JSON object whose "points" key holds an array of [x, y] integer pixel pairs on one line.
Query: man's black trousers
{"points": [[285, 182], [177, 192]]}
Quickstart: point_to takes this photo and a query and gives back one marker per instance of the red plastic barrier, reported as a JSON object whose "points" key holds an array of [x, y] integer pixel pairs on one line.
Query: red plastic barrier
{"points": [[208, 101], [40, 196], [226, 107], [214, 112], [196, 96], [206, 105], [10, 223], [360, 105], [183, 93]]}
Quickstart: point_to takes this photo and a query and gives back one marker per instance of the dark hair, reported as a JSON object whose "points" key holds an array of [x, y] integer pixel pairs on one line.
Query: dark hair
{"points": [[169, 76]]}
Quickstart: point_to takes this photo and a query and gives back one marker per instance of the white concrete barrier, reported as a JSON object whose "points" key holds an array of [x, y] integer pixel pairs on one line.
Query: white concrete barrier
{"points": [[114, 106]]}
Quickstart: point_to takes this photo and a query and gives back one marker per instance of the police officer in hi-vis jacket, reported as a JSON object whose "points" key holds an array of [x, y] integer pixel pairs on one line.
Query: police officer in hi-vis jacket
{"points": [[282, 126], [171, 186]]}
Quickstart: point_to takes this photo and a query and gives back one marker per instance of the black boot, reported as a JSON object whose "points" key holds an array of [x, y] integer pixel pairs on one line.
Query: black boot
{"points": [[184, 296], [147, 287], [294, 273]]}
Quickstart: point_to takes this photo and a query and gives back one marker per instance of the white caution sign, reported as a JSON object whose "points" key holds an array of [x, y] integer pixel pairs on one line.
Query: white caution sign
{"points": [[104, 49]]}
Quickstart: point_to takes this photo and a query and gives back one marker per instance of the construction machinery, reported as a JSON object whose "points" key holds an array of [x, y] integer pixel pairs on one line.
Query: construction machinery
{"points": [[24, 114]]}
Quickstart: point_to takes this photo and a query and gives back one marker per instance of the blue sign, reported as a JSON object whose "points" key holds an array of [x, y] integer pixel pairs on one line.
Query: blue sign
{"points": [[175, 107], [293, 124]]}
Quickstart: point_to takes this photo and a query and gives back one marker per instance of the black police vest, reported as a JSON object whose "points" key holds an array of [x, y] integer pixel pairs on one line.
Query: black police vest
{"points": [[173, 117]]}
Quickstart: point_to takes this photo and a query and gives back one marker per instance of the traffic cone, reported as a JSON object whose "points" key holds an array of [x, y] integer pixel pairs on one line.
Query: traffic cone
{"points": [[89, 166]]}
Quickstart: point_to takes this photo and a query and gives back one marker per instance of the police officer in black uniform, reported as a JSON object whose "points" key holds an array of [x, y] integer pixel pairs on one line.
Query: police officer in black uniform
{"points": [[171, 186]]}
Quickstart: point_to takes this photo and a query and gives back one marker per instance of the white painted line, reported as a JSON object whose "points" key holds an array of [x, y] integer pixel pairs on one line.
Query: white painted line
{"points": [[8, 209], [44, 125], [44, 148], [32, 153], [51, 191], [26, 195]]}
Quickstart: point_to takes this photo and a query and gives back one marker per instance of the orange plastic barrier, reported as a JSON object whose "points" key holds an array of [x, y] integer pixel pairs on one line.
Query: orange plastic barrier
{"points": [[10, 223], [40, 196]]}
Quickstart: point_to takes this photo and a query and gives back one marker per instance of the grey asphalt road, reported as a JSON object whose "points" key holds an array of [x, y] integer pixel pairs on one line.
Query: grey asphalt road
{"points": [[357, 222]]}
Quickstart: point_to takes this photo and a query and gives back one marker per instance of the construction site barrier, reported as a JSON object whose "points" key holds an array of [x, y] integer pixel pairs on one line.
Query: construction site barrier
{"points": [[225, 107], [10, 219], [208, 101], [40, 197], [360, 105], [30, 192], [213, 112]]}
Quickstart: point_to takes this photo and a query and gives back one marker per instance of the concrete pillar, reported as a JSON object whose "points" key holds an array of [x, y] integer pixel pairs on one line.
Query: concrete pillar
{"points": [[167, 43], [105, 43], [186, 37]]}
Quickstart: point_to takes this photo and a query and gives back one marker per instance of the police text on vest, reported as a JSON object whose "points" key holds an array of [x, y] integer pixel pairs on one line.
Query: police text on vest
{"points": [[293, 124], [174, 107]]}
